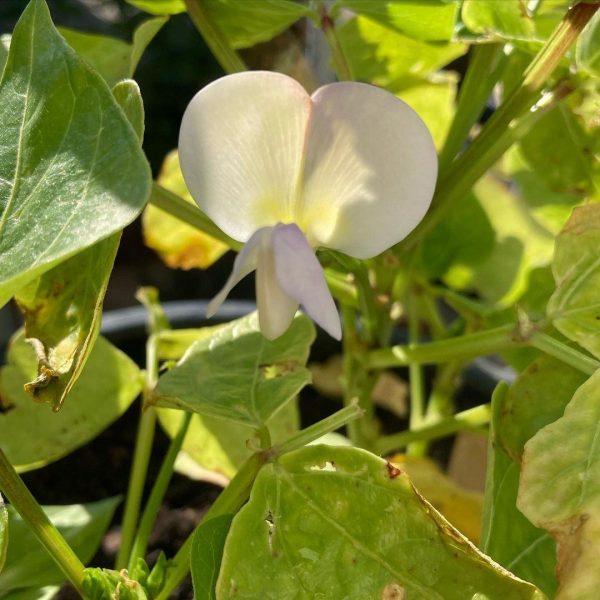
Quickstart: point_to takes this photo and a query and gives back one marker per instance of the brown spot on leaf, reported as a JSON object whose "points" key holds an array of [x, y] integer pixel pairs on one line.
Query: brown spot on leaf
{"points": [[393, 591], [392, 470]]}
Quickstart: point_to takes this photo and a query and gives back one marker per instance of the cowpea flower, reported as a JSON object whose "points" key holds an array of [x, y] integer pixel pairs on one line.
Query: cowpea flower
{"points": [[350, 167]]}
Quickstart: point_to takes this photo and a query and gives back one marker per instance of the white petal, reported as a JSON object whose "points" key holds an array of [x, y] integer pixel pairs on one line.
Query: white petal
{"points": [[245, 262], [370, 169], [276, 309], [240, 148], [301, 277]]}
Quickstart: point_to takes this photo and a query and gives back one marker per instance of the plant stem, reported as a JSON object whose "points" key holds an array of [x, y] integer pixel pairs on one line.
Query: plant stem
{"points": [[314, 432], [230, 501], [188, 213], [341, 288], [33, 514], [463, 347], [339, 58], [415, 373], [158, 493], [467, 419], [566, 354], [215, 39], [485, 67], [141, 458]]}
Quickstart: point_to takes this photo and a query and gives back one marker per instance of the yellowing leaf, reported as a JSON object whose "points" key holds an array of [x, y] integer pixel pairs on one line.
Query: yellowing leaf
{"points": [[179, 245]]}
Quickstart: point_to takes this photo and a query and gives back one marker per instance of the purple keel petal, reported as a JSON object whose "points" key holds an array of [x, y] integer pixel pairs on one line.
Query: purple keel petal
{"points": [[245, 262], [301, 277]]}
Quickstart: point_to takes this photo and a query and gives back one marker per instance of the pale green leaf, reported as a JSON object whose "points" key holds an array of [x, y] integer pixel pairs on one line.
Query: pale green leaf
{"points": [[33, 436], [560, 490], [588, 46], [575, 305], [33, 593], [491, 19], [160, 7], [431, 20], [3, 533], [82, 525], [238, 374], [507, 536], [342, 523], [71, 169], [206, 556]]}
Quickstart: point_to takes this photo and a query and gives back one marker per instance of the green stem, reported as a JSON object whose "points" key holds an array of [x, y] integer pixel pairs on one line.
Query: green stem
{"points": [[341, 288], [141, 458], [314, 432], [467, 419], [415, 373], [485, 67], [230, 501], [158, 493], [188, 213], [565, 353], [33, 514], [463, 347], [215, 39], [342, 67]]}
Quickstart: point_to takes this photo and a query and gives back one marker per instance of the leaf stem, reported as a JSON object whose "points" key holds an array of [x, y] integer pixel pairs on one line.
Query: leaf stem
{"points": [[467, 419], [342, 67], [33, 514], [566, 354], [415, 372], [158, 493], [215, 39]]}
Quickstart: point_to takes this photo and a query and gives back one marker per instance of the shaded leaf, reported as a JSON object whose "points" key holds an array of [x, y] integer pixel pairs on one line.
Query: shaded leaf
{"points": [[33, 593], [575, 305], [179, 245], [342, 523], [206, 556], [82, 526], [71, 169], [129, 98], [507, 536], [238, 374], [31, 435], [431, 20], [560, 490]]}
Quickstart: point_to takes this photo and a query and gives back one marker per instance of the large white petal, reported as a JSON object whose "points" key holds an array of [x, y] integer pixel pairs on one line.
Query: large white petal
{"points": [[240, 148], [301, 277], [276, 309], [370, 169]]}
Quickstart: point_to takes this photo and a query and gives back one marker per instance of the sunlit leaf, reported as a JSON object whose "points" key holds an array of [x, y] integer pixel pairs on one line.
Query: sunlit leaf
{"points": [[207, 553], [431, 20], [507, 536], [3, 533], [129, 98], [71, 169], [560, 490], [239, 375], [178, 244], [82, 525], [33, 436], [343, 523], [588, 46], [575, 306]]}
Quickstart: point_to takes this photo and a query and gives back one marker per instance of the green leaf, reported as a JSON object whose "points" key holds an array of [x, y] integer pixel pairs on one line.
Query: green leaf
{"points": [[114, 59], [588, 46], [507, 536], [508, 19], [206, 556], [159, 7], [3, 533], [560, 489], [129, 98], [82, 525], [4, 47], [537, 397], [220, 446], [71, 169], [239, 375], [105, 584], [33, 593], [575, 307], [383, 56], [32, 436], [430, 20], [342, 523]]}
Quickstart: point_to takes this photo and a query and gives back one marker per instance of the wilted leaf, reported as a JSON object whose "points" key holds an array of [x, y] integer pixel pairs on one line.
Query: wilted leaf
{"points": [[238, 374], [560, 490], [507, 536], [206, 556], [575, 306], [82, 526], [32, 436], [178, 244], [342, 523], [71, 169]]}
